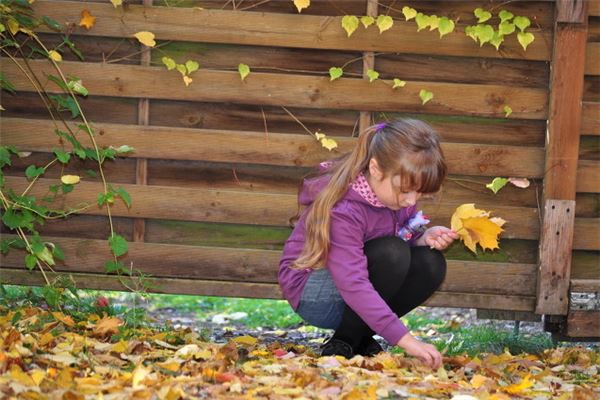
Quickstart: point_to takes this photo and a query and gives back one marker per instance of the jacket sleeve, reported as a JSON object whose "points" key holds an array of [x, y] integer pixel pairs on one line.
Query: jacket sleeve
{"points": [[347, 264]]}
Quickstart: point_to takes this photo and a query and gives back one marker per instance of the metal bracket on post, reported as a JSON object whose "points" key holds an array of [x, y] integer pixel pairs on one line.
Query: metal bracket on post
{"points": [[556, 243]]}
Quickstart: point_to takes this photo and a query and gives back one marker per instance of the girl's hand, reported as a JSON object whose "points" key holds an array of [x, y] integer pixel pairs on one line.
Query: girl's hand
{"points": [[437, 237], [423, 351]]}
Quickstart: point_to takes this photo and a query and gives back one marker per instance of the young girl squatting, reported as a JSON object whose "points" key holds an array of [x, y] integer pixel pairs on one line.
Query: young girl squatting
{"points": [[359, 256]]}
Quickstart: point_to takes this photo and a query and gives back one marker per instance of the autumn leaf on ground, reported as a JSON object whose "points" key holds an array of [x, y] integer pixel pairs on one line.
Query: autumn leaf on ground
{"points": [[87, 19], [146, 38], [107, 326], [475, 226]]}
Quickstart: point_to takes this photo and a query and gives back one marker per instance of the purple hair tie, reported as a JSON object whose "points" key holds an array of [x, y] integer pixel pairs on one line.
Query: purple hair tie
{"points": [[379, 126]]}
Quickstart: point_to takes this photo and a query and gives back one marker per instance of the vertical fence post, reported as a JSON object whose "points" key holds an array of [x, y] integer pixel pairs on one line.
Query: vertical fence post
{"points": [[562, 153], [366, 117], [141, 166]]}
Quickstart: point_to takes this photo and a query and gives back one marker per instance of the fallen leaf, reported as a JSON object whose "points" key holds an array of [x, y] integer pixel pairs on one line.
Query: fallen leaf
{"points": [[107, 326], [87, 20]]}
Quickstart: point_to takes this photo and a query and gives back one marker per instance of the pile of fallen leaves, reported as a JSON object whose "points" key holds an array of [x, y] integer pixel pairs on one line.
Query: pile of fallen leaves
{"points": [[48, 355]]}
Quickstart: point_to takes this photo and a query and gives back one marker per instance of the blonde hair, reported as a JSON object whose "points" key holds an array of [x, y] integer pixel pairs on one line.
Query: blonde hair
{"points": [[407, 148]]}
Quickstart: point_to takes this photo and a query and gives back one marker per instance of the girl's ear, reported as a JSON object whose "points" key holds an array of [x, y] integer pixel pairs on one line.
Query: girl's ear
{"points": [[374, 169]]}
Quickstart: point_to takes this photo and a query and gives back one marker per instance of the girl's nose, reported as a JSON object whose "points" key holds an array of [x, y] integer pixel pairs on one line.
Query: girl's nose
{"points": [[412, 198]]}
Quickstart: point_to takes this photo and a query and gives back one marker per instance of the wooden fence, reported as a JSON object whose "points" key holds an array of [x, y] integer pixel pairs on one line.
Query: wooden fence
{"points": [[217, 164]]}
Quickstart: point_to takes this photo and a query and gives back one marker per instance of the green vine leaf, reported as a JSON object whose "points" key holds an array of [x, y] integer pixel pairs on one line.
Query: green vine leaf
{"points": [[522, 22], [169, 63], [506, 28], [118, 245], [484, 33], [367, 21], [445, 26], [181, 68], [62, 156], [373, 75], [244, 71], [505, 15], [471, 32], [425, 96], [434, 22], [191, 66], [125, 196], [33, 172], [76, 86], [525, 39], [350, 24], [398, 83], [30, 261], [384, 22], [409, 12], [507, 111], [482, 15], [497, 40], [496, 184], [114, 266], [422, 21], [335, 73]]}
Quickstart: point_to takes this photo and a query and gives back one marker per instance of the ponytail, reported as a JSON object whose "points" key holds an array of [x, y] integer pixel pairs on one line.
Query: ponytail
{"points": [[318, 219]]}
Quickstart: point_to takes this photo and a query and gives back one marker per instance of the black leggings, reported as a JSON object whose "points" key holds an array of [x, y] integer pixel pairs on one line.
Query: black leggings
{"points": [[403, 276]]}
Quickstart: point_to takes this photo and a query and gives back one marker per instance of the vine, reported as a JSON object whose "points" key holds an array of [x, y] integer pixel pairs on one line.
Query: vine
{"points": [[23, 213]]}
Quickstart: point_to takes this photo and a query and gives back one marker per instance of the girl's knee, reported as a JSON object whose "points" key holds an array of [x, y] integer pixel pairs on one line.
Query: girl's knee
{"points": [[432, 264], [391, 254]]}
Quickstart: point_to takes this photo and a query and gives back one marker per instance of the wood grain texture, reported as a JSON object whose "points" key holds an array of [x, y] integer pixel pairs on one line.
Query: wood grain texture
{"points": [[583, 324], [592, 58], [585, 285], [556, 243], [272, 29], [295, 90], [590, 124]]}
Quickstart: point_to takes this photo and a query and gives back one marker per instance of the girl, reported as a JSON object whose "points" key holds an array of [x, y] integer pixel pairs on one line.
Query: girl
{"points": [[359, 257]]}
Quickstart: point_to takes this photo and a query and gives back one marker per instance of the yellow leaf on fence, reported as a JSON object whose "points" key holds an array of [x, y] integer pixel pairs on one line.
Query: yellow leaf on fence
{"points": [[116, 3], [70, 179], [301, 4], [55, 55], [87, 20], [146, 38], [328, 143], [187, 80], [475, 226]]}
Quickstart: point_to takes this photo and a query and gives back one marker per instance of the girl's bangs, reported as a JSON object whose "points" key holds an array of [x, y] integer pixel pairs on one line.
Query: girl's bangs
{"points": [[422, 177]]}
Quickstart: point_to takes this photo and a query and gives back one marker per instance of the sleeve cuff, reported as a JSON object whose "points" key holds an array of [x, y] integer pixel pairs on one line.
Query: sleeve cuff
{"points": [[394, 332]]}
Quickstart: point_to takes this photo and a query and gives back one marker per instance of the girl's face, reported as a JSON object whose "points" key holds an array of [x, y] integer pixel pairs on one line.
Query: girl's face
{"points": [[386, 189]]}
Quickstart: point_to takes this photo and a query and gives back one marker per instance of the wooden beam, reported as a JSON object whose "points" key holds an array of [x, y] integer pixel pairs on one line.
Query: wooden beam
{"points": [[252, 147], [292, 90], [286, 30], [254, 290], [556, 247], [562, 153], [211, 205], [366, 118], [583, 324]]}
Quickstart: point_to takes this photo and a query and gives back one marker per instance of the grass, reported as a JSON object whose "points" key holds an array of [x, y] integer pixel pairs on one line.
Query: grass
{"points": [[447, 336]]}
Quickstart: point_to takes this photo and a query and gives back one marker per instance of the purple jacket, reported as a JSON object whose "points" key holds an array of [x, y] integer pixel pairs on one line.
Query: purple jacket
{"points": [[357, 218]]}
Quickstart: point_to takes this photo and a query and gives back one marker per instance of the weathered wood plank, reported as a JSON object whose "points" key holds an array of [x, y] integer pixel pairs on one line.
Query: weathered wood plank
{"points": [[590, 124], [585, 285], [592, 58], [260, 266], [571, 11], [272, 149], [587, 176], [583, 324], [585, 265], [586, 235], [556, 241], [304, 31], [294, 90], [185, 204], [594, 8], [258, 290], [564, 123]]}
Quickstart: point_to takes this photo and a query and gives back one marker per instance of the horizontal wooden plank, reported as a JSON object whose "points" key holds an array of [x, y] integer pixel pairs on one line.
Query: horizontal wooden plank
{"points": [[260, 266], [260, 148], [585, 264], [594, 8], [587, 234], [292, 90], [590, 123], [585, 285], [587, 176], [256, 290], [592, 58], [185, 204], [286, 30], [583, 324]]}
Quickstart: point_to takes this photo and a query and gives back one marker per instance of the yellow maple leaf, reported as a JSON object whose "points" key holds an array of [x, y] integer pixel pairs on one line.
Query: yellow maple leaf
{"points": [[247, 340], [301, 4], [87, 19], [519, 387], [475, 226], [145, 38]]}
